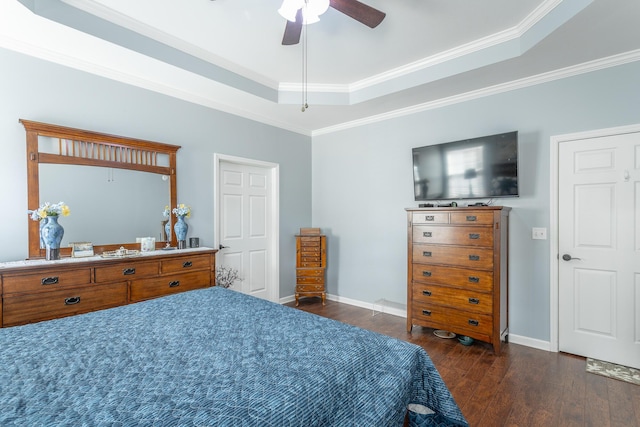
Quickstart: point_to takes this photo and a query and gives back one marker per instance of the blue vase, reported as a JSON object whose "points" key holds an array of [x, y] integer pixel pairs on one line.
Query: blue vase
{"points": [[167, 230], [51, 234], [181, 229]]}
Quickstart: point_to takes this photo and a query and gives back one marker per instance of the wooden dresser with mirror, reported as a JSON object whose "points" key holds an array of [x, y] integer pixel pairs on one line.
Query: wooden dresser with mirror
{"points": [[35, 289]]}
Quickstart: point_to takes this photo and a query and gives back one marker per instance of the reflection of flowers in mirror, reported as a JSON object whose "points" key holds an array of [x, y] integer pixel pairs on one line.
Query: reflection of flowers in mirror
{"points": [[182, 210], [48, 209], [166, 212]]}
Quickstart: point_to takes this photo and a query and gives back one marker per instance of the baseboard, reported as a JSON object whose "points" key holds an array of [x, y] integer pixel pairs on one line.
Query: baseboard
{"points": [[396, 309]]}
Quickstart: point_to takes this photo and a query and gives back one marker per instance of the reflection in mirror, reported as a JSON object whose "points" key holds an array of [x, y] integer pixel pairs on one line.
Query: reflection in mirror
{"points": [[107, 205]]}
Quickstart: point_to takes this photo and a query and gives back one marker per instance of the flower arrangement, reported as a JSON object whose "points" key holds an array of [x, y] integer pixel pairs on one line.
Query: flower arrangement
{"points": [[182, 210], [47, 209], [226, 276]]}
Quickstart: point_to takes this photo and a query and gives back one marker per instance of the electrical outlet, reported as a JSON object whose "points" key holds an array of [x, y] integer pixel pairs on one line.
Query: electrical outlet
{"points": [[539, 233]]}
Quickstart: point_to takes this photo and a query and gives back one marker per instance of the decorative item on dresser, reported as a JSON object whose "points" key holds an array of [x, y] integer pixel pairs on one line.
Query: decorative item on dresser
{"points": [[458, 271], [38, 290], [311, 264]]}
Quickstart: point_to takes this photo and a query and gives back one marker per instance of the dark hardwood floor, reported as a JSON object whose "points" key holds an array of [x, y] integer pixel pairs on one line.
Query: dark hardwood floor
{"points": [[521, 387]]}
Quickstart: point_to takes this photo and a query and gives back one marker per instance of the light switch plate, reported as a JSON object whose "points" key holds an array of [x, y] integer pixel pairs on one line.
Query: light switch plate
{"points": [[539, 233]]}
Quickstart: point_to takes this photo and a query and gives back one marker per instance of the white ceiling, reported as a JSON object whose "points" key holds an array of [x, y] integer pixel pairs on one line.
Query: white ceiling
{"points": [[227, 54]]}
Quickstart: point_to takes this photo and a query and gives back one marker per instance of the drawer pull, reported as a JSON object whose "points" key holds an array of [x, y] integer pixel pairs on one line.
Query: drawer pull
{"points": [[71, 300], [426, 273], [474, 301], [187, 264], [473, 322], [426, 312], [474, 279], [474, 236], [426, 253], [128, 271], [427, 234], [474, 257], [471, 218], [429, 218], [427, 293], [174, 284], [49, 280]]}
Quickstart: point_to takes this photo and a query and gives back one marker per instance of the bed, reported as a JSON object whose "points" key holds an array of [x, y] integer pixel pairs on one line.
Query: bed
{"points": [[212, 357]]}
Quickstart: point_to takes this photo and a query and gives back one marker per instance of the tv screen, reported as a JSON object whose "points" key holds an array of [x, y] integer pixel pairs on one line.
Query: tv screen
{"points": [[477, 168]]}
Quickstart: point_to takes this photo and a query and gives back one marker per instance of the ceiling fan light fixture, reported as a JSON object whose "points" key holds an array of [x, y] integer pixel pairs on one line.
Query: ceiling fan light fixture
{"points": [[317, 7], [309, 17], [290, 8]]}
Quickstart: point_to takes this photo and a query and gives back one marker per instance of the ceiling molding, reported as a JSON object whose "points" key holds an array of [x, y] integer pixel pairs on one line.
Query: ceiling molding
{"points": [[587, 67]]}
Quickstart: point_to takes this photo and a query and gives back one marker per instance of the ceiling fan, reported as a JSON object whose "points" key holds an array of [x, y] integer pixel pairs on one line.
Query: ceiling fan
{"points": [[359, 11]]}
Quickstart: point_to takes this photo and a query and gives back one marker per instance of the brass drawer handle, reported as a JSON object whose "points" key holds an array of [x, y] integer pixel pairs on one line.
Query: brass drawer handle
{"points": [[427, 234], [426, 273], [473, 322], [474, 279], [426, 312], [429, 218], [474, 257], [426, 253], [474, 236], [174, 284], [474, 301], [128, 271], [187, 264], [427, 293], [71, 300], [471, 218], [49, 280]]}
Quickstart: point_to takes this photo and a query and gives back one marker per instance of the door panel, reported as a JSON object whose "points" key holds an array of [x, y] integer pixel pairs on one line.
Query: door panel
{"points": [[245, 233], [599, 221]]}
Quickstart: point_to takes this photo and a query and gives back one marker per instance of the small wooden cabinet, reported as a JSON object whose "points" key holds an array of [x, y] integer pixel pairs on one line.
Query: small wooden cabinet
{"points": [[33, 291], [311, 264], [458, 271]]}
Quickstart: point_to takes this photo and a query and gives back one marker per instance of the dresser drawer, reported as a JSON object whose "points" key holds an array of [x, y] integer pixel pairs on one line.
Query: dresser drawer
{"points": [[309, 280], [127, 271], [470, 218], [458, 298], [45, 280], [480, 258], [310, 241], [467, 236], [196, 262], [430, 217], [477, 280], [312, 272], [461, 322], [159, 286], [48, 305], [309, 288]]}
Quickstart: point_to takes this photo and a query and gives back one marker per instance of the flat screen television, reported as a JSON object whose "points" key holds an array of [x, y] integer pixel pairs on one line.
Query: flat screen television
{"points": [[477, 168]]}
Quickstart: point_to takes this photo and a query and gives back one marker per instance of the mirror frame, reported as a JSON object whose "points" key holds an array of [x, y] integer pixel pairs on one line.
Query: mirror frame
{"points": [[88, 148]]}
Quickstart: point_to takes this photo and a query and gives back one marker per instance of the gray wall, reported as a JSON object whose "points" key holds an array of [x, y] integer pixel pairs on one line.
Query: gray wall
{"points": [[362, 181], [38, 90]]}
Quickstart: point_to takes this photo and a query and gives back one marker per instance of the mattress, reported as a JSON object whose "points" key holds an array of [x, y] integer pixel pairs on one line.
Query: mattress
{"points": [[212, 357]]}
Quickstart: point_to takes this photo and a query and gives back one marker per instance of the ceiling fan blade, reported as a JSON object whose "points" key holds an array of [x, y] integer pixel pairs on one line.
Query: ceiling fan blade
{"points": [[359, 11], [293, 30]]}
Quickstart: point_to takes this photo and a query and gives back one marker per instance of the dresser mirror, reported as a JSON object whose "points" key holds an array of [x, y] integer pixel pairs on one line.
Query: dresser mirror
{"points": [[116, 187]]}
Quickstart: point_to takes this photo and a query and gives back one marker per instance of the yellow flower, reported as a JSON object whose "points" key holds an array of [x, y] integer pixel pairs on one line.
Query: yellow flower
{"points": [[65, 210]]}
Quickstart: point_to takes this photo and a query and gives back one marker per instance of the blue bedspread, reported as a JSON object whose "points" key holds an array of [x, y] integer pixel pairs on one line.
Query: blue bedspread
{"points": [[212, 357]]}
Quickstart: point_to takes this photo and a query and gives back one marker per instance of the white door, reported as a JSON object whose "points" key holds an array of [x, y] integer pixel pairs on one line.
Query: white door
{"points": [[599, 244], [246, 206]]}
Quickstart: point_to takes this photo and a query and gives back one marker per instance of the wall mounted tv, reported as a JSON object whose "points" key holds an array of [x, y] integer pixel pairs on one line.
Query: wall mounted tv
{"points": [[478, 168]]}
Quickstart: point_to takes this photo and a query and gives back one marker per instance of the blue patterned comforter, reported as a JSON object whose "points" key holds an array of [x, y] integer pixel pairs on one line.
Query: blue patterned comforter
{"points": [[212, 357]]}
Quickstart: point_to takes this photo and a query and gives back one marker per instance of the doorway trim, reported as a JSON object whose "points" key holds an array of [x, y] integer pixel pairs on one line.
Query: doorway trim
{"points": [[554, 250], [274, 225]]}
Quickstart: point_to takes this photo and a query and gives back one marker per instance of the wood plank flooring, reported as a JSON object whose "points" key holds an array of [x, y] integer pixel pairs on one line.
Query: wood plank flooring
{"points": [[521, 387]]}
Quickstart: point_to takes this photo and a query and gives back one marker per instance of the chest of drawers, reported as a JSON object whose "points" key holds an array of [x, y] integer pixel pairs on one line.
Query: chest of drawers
{"points": [[458, 271], [43, 290], [311, 263]]}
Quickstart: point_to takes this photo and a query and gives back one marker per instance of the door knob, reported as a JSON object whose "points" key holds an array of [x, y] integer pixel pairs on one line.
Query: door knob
{"points": [[221, 246], [568, 257]]}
